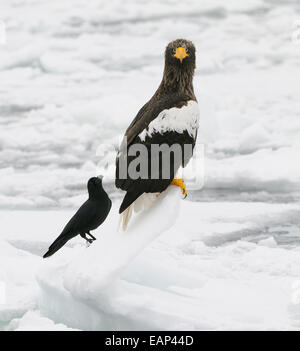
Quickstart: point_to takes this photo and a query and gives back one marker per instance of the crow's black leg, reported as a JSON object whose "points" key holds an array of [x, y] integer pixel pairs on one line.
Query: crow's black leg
{"points": [[83, 235], [92, 236]]}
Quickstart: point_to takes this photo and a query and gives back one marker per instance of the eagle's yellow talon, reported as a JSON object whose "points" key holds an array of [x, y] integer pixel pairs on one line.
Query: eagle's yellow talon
{"points": [[179, 182]]}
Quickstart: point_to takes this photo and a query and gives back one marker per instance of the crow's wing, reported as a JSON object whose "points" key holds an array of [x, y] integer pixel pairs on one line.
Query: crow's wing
{"points": [[88, 217], [83, 218], [79, 223]]}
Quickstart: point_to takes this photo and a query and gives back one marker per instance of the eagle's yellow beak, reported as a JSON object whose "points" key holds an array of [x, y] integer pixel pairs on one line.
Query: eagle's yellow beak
{"points": [[180, 53]]}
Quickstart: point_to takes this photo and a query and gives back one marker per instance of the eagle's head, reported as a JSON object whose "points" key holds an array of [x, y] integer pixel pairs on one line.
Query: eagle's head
{"points": [[180, 64], [181, 53]]}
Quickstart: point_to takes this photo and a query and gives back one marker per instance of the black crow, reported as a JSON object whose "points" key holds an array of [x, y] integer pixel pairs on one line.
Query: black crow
{"points": [[89, 216]]}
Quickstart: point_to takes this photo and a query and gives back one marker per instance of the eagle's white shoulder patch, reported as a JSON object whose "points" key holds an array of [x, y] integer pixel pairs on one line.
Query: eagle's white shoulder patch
{"points": [[185, 118]]}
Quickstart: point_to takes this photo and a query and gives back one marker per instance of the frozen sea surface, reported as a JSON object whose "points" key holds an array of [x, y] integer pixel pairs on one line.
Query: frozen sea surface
{"points": [[73, 75], [221, 266]]}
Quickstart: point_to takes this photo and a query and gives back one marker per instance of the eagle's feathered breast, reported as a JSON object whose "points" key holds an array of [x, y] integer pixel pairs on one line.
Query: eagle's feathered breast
{"points": [[175, 119]]}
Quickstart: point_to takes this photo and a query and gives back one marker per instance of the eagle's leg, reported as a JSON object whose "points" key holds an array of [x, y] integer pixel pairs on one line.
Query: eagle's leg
{"points": [[179, 182]]}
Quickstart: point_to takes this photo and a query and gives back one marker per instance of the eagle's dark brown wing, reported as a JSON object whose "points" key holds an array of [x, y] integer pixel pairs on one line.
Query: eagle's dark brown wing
{"points": [[136, 187], [151, 110]]}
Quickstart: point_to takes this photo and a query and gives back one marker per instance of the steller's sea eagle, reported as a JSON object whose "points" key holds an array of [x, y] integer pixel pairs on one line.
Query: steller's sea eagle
{"points": [[170, 117]]}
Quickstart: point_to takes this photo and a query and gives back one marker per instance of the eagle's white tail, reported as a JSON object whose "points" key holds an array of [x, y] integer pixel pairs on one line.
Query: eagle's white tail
{"points": [[140, 204], [126, 215]]}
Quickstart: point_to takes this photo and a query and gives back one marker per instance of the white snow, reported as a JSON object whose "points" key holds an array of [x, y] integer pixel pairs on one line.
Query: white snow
{"points": [[214, 269], [33, 321], [186, 279], [74, 75]]}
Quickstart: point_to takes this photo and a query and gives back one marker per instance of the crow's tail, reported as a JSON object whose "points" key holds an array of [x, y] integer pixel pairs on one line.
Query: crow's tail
{"points": [[57, 244]]}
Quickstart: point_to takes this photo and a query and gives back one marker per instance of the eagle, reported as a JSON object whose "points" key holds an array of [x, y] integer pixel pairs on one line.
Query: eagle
{"points": [[170, 118]]}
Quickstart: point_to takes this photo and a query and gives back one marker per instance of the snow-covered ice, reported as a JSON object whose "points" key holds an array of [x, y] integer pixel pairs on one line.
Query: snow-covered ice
{"points": [[219, 272], [73, 76]]}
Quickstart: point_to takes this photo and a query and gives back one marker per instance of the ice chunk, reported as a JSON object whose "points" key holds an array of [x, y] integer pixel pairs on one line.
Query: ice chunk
{"points": [[91, 275], [269, 242], [33, 321], [97, 267]]}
